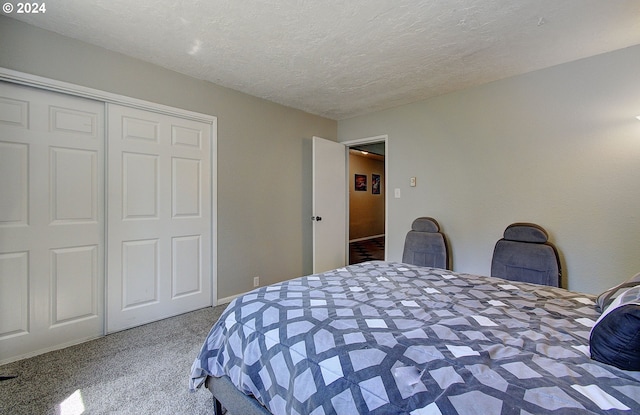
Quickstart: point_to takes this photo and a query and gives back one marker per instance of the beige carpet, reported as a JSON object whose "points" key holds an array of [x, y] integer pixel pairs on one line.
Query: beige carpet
{"points": [[144, 370]]}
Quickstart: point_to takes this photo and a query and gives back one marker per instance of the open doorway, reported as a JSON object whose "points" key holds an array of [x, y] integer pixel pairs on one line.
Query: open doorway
{"points": [[367, 200]]}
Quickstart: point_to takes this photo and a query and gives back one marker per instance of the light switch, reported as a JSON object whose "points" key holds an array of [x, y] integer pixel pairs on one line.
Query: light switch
{"points": [[412, 182], [396, 193]]}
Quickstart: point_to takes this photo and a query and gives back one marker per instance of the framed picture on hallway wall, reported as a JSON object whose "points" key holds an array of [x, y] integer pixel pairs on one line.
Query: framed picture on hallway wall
{"points": [[375, 184], [361, 183]]}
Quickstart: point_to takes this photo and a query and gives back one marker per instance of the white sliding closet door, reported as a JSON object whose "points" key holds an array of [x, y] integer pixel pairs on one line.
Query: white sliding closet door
{"points": [[159, 216], [51, 220]]}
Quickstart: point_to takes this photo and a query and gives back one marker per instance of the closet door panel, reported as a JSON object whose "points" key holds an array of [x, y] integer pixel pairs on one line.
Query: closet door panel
{"points": [[14, 294], [14, 184], [72, 270], [186, 191], [74, 186], [140, 277], [51, 220], [159, 216], [139, 186], [186, 275]]}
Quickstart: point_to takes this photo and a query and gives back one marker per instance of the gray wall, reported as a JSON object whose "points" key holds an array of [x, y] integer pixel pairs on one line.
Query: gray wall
{"points": [[559, 147], [264, 151]]}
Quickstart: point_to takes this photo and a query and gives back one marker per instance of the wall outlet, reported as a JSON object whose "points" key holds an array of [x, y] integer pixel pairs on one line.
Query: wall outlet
{"points": [[412, 182], [256, 281]]}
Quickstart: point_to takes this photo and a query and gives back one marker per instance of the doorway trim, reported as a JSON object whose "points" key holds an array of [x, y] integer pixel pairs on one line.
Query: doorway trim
{"points": [[370, 140]]}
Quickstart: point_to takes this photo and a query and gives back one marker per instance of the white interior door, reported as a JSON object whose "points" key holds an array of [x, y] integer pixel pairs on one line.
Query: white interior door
{"points": [[51, 220], [329, 205], [159, 216]]}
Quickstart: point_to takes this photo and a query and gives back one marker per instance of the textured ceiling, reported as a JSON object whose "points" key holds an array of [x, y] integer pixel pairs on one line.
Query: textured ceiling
{"points": [[345, 58]]}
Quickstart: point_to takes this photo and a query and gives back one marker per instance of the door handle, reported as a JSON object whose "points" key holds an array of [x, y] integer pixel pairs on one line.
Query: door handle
{"points": [[316, 218]]}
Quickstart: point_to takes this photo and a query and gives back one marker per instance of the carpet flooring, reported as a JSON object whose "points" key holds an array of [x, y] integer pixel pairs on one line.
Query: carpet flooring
{"points": [[367, 250], [144, 370]]}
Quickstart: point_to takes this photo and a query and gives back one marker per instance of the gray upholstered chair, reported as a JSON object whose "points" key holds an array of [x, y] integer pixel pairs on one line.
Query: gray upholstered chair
{"points": [[525, 254], [425, 245]]}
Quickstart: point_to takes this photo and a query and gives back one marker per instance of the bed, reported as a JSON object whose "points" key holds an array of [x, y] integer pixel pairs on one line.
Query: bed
{"points": [[392, 338]]}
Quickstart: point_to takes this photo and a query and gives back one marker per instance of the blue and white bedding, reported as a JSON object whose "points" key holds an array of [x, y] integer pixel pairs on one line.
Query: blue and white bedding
{"points": [[392, 338]]}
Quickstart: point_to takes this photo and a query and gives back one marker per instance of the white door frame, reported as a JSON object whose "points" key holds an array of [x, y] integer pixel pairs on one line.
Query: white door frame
{"points": [[35, 81], [369, 140]]}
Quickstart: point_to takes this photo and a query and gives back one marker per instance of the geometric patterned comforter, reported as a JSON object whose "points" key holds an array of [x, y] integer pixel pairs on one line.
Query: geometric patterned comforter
{"points": [[392, 338]]}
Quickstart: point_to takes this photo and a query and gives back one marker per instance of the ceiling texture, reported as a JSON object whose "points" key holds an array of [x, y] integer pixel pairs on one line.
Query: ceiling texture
{"points": [[343, 58]]}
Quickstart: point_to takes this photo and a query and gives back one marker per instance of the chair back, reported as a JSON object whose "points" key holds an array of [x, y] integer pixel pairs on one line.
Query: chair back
{"points": [[425, 245], [525, 254]]}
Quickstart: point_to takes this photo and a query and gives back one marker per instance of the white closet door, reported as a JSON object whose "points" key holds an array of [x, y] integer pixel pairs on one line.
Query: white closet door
{"points": [[159, 216], [51, 220]]}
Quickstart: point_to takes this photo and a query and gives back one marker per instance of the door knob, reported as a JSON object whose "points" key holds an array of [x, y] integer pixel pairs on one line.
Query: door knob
{"points": [[316, 218]]}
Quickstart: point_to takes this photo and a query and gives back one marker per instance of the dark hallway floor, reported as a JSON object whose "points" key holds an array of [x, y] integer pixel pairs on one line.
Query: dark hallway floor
{"points": [[367, 250]]}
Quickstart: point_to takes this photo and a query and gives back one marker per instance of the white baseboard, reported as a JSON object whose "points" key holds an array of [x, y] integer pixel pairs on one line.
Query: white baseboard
{"points": [[227, 300]]}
